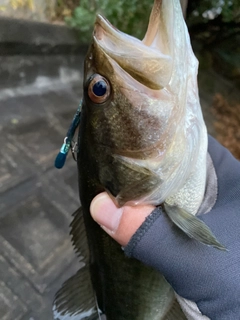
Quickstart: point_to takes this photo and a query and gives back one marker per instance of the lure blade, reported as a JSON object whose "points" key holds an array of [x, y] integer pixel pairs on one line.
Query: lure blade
{"points": [[62, 156]]}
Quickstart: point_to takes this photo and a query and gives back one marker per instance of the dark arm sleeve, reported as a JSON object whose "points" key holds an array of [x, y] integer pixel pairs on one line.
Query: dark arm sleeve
{"points": [[202, 274]]}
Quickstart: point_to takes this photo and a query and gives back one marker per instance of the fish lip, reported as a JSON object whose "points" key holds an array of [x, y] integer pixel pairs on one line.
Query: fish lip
{"points": [[147, 64], [105, 24], [104, 28]]}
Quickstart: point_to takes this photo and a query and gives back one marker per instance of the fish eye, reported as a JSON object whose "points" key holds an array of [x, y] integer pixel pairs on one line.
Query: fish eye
{"points": [[98, 89]]}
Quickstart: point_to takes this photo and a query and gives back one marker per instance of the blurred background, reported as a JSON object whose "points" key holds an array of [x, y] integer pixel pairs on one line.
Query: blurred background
{"points": [[42, 48]]}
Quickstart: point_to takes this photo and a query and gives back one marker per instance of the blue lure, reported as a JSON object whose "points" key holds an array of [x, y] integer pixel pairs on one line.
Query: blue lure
{"points": [[68, 140]]}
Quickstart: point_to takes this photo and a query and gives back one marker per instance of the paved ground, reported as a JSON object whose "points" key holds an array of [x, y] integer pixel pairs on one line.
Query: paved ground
{"points": [[37, 200]]}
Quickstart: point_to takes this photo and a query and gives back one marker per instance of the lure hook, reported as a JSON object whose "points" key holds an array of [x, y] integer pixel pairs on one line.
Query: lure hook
{"points": [[74, 149]]}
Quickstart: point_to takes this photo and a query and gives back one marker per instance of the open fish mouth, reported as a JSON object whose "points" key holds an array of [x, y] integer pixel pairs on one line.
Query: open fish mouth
{"points": [[149, 61]]}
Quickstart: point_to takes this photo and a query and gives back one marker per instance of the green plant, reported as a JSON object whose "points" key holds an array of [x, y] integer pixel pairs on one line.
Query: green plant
{"points": [[204, 10], [213, 21], [128, 16], [206, 18]]}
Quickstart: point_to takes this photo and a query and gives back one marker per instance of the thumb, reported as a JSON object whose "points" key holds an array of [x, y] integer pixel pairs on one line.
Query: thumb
{"points": [[119, 223]]}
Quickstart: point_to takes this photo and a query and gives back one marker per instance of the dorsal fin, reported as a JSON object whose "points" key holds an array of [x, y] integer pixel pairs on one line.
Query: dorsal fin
{"points": [[76, 300], [79, 236]]}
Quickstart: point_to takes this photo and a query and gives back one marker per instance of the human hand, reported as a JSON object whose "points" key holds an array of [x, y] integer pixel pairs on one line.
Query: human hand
{"points": [[204, 275], [119, 223]]}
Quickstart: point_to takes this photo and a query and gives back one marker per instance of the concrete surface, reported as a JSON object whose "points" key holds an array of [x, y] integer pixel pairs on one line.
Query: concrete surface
{"points": [[40, 89], [38, 98], [28, 37]]}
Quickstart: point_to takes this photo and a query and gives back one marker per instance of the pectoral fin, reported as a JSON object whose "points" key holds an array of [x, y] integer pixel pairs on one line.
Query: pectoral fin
{"points": [[192, 226]]}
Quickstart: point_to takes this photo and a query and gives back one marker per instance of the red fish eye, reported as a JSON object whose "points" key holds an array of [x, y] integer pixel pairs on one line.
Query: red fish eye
{"points": [[98, 89]]}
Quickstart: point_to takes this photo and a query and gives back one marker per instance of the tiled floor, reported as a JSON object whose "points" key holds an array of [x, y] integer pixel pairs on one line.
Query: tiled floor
{"points": [[36, 204]]}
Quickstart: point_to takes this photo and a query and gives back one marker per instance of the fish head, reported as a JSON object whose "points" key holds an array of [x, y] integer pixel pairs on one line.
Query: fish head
{"points": [[141, 114]]}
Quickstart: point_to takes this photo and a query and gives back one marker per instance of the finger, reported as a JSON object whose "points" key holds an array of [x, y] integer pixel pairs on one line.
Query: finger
{"points": [[119, 223]]}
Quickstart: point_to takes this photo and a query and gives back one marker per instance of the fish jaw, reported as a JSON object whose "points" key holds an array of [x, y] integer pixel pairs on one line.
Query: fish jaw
{"points": [[146, 64], [153, 119]]}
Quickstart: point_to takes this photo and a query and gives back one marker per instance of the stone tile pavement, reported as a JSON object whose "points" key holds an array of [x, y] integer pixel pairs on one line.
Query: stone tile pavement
{"points": [[36, 202]]}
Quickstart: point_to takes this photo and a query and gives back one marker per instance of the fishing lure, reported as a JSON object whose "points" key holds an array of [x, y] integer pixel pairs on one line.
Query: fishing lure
{"points": [[68, 140]]}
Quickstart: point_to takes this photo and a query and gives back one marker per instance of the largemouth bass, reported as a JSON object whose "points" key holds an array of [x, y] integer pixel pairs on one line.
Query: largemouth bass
{"points": [[142, 139]]}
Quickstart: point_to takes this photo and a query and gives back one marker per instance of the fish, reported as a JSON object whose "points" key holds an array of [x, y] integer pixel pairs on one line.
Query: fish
{"points": [[142, 138]]}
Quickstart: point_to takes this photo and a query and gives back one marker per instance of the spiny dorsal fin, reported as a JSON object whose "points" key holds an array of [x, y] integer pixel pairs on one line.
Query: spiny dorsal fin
{"points": [[76, 299], [79, 237], [192, 226]]}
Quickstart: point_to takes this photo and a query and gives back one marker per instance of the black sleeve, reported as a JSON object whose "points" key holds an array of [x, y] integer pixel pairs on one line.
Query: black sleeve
{"points": [[202, 274]]}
